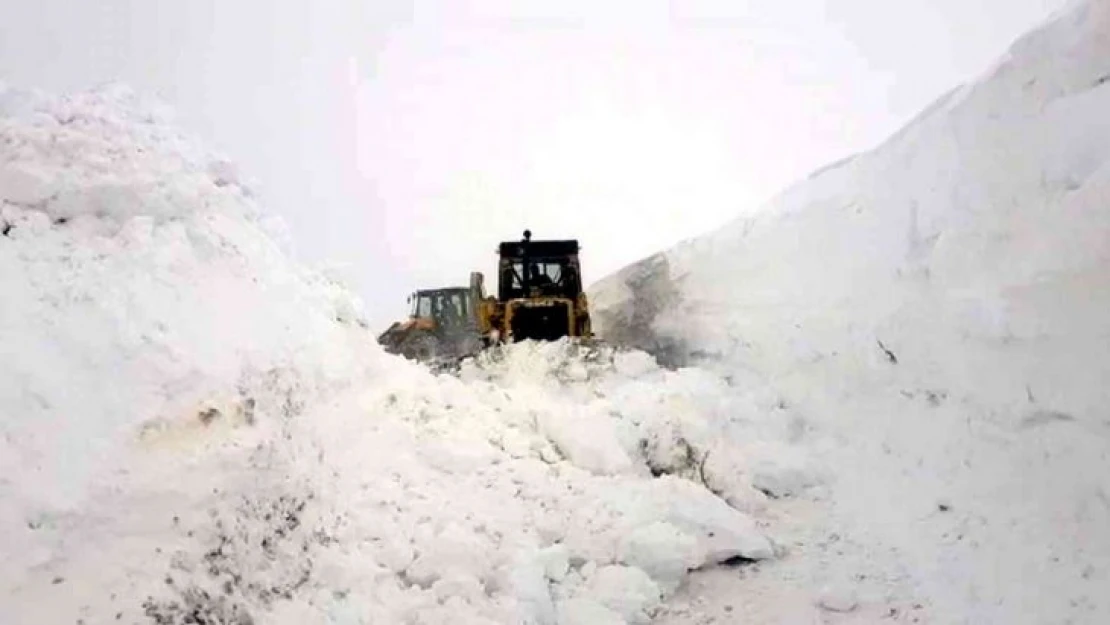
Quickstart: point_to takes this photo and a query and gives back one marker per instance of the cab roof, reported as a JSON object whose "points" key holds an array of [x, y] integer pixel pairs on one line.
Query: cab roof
{"points": [[442, 291], [539, 249]]}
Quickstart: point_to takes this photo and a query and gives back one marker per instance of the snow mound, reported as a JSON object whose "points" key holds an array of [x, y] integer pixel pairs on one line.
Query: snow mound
{"points": [[196, 429], [138, 285], [937, 307]]}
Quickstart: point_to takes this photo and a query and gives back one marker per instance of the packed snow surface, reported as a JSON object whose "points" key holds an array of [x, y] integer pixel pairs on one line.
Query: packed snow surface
{"points": [[195, 429], [937, 311]]}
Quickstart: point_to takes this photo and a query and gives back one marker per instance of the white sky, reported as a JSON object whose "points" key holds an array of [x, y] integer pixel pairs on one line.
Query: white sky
{"points": [[407, 138]]}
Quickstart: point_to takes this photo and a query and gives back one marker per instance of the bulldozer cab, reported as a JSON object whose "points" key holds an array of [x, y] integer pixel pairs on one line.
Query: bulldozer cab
{"points": [[442, 325], [540, 290], [530, 269], [445, 308]]}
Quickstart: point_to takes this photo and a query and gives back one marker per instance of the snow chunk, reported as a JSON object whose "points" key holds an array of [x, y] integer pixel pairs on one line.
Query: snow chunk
{"points": [[556, 562], [626, 591], [721, 531], [588, 440], [527, 582], [662, 551]]}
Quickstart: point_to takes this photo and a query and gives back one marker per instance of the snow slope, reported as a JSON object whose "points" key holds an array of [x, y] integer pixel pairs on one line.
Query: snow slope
{"points": [[937, 308], [128, 252], [197, 430]]}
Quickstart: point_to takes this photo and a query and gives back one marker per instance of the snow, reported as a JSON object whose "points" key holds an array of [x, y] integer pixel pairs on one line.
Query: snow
{"points": [[883, 396], [195, 428], [935, 312]]}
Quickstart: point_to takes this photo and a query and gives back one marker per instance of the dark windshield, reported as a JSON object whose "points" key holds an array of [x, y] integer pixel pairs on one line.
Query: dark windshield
{"points": [[539, 273], [551, 277], [446, 307]]}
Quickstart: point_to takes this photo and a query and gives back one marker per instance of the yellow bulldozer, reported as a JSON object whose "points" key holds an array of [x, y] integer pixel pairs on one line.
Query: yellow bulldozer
{"points": [[442, 325], [539, 297]]}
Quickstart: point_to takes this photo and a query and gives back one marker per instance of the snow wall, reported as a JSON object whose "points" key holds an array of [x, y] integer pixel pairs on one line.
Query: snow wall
{"points": [[939, 306]]}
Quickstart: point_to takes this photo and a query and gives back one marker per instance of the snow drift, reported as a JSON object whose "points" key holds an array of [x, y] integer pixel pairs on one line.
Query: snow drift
{"points": [[198, 430], [938, 307], [139, 280]]}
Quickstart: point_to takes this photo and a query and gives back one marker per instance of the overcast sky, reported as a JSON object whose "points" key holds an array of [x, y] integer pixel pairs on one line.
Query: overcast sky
{"points": [[407, 138]]}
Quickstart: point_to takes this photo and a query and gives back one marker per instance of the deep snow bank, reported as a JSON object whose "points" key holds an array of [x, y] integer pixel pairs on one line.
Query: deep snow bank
{"points": [[982, 223], [142, 293], [941, 303], [138, 280], [197, 430]]}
